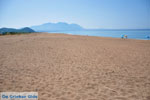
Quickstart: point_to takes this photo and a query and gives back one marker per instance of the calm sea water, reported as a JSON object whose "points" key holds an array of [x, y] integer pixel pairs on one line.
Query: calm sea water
{"points": [[116, 34]]}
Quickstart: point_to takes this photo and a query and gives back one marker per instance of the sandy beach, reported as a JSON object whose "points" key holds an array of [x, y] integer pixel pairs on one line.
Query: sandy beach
{"points": [[69, 67]]}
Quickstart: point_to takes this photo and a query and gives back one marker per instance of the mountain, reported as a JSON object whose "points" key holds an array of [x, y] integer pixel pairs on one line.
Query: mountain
{"points": [[26, 29], [60, 26]]}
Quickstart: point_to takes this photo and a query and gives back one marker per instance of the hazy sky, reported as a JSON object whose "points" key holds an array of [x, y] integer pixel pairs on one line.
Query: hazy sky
{"points": [[87, 13]]}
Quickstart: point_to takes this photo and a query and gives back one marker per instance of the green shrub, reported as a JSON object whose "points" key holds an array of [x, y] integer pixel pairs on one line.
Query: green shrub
{"points": [[13, 33]]}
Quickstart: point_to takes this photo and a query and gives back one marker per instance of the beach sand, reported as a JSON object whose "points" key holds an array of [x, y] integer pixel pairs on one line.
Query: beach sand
{"points": [[69, 67]]}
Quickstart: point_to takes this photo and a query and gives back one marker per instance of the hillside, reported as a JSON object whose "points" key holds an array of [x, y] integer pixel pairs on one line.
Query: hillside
{"points": [[26, 29]]}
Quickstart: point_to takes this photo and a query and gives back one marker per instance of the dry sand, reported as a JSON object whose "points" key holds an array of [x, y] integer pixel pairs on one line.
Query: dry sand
{"points": [[67, 67]]}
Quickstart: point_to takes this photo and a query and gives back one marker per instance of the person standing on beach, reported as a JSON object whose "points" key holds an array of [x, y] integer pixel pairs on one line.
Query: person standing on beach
{"points": [[148, 37], [122, 36]]}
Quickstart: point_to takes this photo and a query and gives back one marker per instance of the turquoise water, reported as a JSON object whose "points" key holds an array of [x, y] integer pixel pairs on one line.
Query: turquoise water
{"points": [[115, 34]]}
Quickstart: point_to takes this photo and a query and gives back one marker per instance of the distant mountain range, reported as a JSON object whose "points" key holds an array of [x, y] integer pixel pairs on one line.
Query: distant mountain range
{"points": [[60, 26], [26, 29]]}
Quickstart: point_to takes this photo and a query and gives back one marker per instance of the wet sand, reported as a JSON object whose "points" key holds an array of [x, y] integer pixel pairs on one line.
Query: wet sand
{"points": [[68, 67]]}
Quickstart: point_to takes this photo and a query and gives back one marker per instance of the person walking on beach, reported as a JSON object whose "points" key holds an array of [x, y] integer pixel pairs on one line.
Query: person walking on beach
{"points": [[125, 36]]}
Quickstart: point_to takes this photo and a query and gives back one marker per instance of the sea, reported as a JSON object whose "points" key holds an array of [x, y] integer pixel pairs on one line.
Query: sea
{"points": [[140, 34]]}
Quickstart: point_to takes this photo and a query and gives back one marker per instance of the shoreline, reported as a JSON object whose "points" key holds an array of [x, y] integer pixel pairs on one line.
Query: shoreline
{"points": [[94, 36], [75, 35]]}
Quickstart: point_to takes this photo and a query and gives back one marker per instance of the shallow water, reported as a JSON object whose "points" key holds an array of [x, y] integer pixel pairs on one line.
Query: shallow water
{"points": [[116, 34]]}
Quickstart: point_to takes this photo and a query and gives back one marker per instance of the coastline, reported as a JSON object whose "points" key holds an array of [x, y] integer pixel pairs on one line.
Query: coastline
{"points": [[114, 34]]}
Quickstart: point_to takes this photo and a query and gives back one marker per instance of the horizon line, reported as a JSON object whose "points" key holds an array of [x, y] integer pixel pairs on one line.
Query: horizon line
{"points": [[92, 28]]}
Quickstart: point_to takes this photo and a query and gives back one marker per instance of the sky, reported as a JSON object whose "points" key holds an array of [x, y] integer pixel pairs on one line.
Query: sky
{"points": [[105, 14]]}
